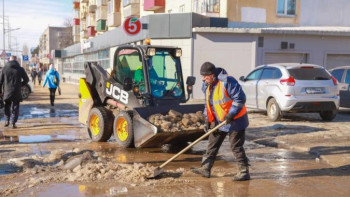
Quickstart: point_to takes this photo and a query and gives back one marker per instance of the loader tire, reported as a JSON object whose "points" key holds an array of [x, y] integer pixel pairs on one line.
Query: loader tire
{"points": [[99, 124], [123, 130]]}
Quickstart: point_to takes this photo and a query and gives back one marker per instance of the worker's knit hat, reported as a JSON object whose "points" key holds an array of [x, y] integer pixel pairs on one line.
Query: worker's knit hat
{"points": [[207, 68]]}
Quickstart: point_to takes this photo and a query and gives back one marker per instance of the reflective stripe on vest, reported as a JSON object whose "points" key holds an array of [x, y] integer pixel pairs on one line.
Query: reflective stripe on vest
{"points": [[221, 103]]}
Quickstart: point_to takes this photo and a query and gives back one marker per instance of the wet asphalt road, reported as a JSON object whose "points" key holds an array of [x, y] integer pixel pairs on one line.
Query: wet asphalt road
{"points": [[275, 171]]}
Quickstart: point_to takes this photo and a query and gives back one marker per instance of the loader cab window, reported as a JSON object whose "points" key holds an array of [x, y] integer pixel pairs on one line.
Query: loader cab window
{"points": [[128, 64], [164, 74]]}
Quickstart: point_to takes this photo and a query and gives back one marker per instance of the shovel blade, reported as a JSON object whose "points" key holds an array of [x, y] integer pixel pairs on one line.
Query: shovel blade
{"points": [[158, 171]]}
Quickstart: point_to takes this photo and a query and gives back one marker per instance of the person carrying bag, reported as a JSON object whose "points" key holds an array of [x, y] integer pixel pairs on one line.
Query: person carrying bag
{"points": [[53, 79]]}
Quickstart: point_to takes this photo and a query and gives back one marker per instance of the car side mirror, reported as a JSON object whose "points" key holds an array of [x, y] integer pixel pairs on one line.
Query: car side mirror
{"points": [[127, 85], [191, 80], [242, 78]]}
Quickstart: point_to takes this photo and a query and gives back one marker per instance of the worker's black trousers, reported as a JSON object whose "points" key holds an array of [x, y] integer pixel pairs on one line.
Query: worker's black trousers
{"points": [[52, 95], [11, 108], [236, 140]]}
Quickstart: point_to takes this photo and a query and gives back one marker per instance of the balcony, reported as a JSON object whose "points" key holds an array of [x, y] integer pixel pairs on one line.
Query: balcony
{"points": [[132, 9], [83, 12], [101, 26], [91, 31], [76, 38], [128, 2], [152, 5], [83, 34], [76, 30], [114, 19], [90, 20], [76, 21], [92, 8], [101, 2], [76, 5], [101, 13]]}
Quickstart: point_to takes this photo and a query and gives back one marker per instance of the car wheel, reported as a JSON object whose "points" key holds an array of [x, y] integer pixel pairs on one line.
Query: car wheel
{"points": [[123, 130], [25, 92], [99, 124], [273, 110], [328, 115]]}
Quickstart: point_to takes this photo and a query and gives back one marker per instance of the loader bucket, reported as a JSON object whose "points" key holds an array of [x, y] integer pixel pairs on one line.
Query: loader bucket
{"points": [[148, 135]]}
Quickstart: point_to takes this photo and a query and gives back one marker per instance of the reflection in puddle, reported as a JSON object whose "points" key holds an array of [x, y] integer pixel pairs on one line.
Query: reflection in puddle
{"points": [[38, 138], [44, 138], [7, 169]]}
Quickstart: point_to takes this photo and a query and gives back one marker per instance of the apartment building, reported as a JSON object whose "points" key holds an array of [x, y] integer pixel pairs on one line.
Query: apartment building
{"points": [[237, 35], [51, 39], [93, 17]]}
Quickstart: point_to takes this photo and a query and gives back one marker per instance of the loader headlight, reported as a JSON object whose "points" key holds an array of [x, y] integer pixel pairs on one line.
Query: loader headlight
{"points": [[178, 53], [151, 51]]}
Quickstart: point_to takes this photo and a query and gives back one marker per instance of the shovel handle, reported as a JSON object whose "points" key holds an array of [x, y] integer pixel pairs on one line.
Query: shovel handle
{"points": [[193, 143]]}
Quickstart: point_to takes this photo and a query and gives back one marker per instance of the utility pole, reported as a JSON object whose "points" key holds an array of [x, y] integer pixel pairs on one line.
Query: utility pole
{"points": [[3, 25]]}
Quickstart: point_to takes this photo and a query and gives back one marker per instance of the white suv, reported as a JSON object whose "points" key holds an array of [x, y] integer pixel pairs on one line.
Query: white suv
{"points": [[291, 87]]}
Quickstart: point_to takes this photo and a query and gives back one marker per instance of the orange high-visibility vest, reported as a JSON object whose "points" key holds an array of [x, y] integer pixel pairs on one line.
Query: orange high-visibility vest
{"points": [[221, 103]]}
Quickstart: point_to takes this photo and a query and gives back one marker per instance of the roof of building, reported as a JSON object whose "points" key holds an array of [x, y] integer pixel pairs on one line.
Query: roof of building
{"points": [[301, 30]]}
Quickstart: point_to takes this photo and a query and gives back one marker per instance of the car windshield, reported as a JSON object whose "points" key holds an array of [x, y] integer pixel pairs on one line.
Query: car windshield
{"points": [[309, 73], [164, 75]]}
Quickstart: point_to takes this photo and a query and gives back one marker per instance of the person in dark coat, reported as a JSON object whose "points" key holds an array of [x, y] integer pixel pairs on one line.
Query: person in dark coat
{"points": [[39, 76], [12, 78], [33, 74]]}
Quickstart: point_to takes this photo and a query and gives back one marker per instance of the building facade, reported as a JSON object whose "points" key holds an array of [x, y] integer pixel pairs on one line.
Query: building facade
{"points": [[53, 38], [94, 17], [233, 34]]}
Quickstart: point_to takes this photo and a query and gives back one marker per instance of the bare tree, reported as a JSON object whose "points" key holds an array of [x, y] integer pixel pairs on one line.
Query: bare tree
{"points": [[25, 50], [67, 39], [68, 22], [35, 51]]}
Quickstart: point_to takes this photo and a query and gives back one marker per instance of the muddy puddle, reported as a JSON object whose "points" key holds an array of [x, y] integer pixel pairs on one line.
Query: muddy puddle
{"points": [[29, 111]]}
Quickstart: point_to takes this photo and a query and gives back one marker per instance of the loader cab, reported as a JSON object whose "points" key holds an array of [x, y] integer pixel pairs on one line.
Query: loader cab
{"points": [[154, 72]]}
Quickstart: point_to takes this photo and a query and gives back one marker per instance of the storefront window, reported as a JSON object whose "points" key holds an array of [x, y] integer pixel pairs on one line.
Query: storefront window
{"points": [[75, 65]]}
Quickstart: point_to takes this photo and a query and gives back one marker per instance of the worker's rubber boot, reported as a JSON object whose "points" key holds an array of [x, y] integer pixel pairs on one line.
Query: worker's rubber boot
{"points": [[205, 168], [243, 174]]}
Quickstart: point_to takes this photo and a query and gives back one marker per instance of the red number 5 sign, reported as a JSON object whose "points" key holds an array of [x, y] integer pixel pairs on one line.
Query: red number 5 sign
{"points": [[132, 25]]}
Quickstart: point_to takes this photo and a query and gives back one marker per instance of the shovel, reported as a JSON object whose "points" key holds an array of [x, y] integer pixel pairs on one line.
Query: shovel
{"points": [[159, 170]]}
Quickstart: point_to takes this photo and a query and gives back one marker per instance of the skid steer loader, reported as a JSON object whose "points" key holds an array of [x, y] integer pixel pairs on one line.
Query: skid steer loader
{"points": [[144, 80]]}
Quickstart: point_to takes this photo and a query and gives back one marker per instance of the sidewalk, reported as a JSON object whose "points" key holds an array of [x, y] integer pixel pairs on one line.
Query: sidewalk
{"points": [[69, 94]]}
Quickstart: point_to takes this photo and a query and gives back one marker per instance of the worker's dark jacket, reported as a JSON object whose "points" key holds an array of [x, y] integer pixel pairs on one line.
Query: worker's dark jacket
{"points": [[236, 93], [12, 78]]}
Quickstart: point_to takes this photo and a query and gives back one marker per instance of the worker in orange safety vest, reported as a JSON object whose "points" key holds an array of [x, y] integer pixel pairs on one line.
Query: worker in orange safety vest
{"points": [[224, 100]]}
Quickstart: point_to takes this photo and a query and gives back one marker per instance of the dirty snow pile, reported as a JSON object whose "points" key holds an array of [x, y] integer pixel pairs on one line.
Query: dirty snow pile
{"points": [[78, 166], [83, 166], [175, 121]]}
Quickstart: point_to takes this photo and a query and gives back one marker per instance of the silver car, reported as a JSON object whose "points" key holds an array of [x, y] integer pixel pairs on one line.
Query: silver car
{"points": [[342, 74], [291, 87]]}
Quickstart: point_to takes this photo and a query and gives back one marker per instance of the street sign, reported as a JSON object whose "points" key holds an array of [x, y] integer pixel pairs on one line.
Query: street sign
{"points": [[3, 54], [25, 58], [132, 25]]}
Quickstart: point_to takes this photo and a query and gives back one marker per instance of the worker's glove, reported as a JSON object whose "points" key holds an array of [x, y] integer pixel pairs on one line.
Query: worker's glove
{"points": [[229, 118], [209, 125]]}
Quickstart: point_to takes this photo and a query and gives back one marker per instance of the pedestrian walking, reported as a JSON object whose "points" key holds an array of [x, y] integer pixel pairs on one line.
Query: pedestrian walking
{"points": [[53, 79], [224, 100], [12, 78], [39, 76], [33, 74]]}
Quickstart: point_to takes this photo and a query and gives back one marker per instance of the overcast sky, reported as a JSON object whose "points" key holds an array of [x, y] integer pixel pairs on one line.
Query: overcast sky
{"points": [[33, 17]]}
